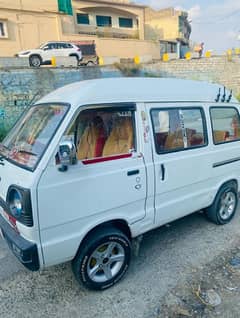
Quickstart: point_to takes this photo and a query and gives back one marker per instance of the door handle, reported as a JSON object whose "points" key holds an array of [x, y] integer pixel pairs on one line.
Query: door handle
{"points": [[163, 171], [133, 172]]}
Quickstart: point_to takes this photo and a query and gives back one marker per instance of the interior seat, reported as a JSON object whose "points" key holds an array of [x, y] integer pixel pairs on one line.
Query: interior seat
{"points": [[174, 140], [120, 140], [92, 141], [220, 135]]}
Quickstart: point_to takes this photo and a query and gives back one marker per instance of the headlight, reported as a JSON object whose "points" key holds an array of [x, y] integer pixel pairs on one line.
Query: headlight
{"points": [[19, 204], [15, 203]]}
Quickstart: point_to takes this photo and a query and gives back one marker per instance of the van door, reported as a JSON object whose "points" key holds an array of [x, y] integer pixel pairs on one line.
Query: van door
{"points": [[107, 183], [181, 160]]}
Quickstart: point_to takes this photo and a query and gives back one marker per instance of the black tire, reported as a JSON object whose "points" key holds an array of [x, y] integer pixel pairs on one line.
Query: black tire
{"points": [[35, 61], [107, 244], [224, 206], [90, 63]]}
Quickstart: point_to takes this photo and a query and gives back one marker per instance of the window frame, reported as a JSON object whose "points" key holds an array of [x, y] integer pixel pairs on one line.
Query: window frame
{"points": [[204, 122], [85, 15], [125, 27], [212, 130], [102, 25], [124, 106], [4, 28]]}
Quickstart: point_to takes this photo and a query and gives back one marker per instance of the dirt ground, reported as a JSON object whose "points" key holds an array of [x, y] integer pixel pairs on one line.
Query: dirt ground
{"points": [[209, 291], [178, 264]]}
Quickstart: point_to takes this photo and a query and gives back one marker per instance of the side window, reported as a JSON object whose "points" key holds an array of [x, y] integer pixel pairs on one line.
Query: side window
{"points": [[225, 124], [65, 46], [52, 46], [83, 18], [178, 129], [103, 21], [103, 133], [60, 46], [125, 22]]}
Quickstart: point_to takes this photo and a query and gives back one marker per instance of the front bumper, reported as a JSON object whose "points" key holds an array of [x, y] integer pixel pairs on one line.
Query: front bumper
{"points": [[25, 251]]}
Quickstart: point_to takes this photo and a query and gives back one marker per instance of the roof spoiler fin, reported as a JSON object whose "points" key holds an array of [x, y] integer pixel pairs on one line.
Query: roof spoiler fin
{"points": [[224, 95], [218, 95], [230, 96]]}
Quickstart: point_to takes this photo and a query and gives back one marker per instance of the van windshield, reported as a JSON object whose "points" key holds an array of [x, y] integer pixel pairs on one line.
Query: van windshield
{"points": [[29, 138]]}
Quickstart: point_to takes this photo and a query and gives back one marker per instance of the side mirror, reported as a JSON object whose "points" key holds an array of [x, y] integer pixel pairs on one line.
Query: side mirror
{"points": [[46, 48], [67, 155]]}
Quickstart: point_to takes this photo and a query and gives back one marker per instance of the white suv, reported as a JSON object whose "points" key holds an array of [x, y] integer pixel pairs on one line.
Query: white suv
{"points": [[47, 51]]}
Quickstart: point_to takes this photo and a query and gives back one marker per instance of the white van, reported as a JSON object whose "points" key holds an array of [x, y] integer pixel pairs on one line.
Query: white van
{"points": [[97, 163]]}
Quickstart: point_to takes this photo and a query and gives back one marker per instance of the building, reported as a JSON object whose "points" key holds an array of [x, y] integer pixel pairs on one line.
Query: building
{"points": [[169, 26], [26, 24], [112, 19], [118, 27]]}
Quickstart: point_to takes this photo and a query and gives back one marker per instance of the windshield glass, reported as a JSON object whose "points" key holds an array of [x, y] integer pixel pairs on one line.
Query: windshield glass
{"points": [[28, 140]]}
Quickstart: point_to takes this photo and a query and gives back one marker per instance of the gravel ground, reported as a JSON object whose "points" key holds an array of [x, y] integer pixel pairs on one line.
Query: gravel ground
{"points": [[170, 257], [221, 279]]}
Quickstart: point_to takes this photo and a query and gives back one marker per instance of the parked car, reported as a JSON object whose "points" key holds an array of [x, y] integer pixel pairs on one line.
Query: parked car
{"points": [[95, 164], [47, 51]]}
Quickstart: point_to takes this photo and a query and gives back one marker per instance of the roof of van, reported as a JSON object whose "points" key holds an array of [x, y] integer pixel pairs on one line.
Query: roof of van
{"points": [[136, 89]]}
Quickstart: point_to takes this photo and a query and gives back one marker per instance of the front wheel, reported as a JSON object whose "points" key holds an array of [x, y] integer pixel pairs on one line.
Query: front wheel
{"points": [[103, 259], [224, 206], [35, 61]]}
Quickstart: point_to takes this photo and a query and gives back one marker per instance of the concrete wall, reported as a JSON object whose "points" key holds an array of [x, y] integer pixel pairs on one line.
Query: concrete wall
{"points": [[161, 26], [19, 87], [216, 69], [127, 48], [122, 48], [30, 5]]}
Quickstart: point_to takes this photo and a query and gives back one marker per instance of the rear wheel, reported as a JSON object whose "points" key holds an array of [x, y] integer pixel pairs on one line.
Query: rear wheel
{"points": [[103, 259], [224, 206], [35, 61], [90, 63]]}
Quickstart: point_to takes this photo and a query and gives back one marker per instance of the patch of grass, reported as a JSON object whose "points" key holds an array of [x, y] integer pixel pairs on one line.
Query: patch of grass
{"points": [[150, 74], [128, 69], [238, 97]]}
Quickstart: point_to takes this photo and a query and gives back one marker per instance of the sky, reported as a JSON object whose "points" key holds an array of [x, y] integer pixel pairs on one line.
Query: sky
{"points": [[214, 22]]}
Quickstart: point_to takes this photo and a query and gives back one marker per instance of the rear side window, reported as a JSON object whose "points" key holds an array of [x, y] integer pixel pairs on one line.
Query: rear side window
{"points": [[225, 124], [62, 46], [178, 129]]}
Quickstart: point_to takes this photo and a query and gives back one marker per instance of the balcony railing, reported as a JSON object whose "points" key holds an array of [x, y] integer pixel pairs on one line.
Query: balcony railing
{"points": [[109, 32]]}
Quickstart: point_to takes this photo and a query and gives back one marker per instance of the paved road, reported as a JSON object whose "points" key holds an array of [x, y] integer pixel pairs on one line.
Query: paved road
{"points": [[167, 255]]}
